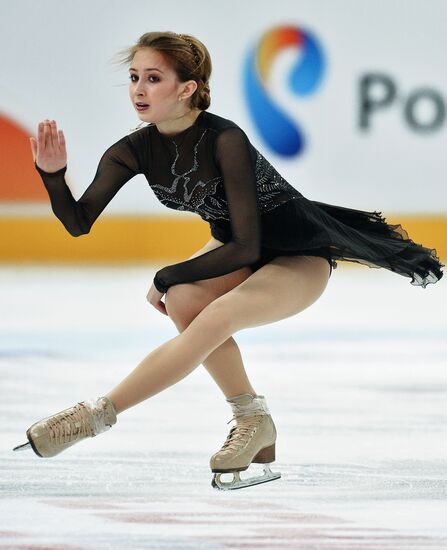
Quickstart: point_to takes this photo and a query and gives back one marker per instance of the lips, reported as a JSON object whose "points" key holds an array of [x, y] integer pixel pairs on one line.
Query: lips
{"points": [[140, 107]]}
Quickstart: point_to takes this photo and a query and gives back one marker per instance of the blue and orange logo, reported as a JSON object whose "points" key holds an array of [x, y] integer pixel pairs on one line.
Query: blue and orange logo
{"points": [[278, 130]]}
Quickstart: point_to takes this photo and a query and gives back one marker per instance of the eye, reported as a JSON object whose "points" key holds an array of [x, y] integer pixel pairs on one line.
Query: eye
{"points": [[132, 76]]}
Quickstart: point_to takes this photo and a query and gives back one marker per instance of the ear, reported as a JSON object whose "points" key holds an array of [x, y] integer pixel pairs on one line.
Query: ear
{"points": [[188, 88]]}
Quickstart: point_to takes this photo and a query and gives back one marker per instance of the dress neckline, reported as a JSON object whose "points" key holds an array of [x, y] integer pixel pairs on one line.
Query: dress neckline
{"points": [[179, 134]]}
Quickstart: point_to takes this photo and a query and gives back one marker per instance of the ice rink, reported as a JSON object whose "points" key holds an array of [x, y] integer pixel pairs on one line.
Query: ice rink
{"points": [[356, 384]]}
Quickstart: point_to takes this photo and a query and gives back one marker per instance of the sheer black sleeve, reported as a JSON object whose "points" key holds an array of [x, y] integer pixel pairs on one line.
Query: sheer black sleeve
{"points": [[117, 166], [232, 155]]}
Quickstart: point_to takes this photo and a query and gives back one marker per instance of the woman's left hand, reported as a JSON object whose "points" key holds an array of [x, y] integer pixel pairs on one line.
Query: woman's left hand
{"points": [[154, 297]]}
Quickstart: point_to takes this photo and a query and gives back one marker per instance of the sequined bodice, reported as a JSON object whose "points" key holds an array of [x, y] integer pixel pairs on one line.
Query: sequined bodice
{"points": [[184, 176]]}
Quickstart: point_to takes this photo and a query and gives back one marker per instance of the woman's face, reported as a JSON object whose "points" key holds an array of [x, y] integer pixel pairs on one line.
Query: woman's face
{"points": [[154, 82]]}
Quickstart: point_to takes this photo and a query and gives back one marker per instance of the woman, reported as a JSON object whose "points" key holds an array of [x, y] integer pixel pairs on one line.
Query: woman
{"points": [[270, 256]]}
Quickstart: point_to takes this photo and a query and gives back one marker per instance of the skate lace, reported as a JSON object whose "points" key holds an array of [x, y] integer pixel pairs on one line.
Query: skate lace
{"points": [[70, 425], [242, 432]]}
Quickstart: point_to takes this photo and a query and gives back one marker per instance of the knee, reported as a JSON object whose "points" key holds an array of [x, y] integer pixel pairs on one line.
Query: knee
{"points": [[220, 315], [184, 302]]}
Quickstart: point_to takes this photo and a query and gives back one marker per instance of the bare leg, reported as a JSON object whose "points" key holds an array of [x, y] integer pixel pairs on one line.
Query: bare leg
{"points": [[185, 302], [278, 290], [226, 367], [225, 363], [170, 362]]}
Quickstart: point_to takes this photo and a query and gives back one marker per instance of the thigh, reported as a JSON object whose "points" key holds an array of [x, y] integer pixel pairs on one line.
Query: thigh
{"points": [[281, 288], [224, 283], [184, 301]]}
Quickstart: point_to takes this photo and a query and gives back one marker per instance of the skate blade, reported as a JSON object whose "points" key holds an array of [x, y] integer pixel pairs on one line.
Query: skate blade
{"points": [[238, 483], [23, 447]]}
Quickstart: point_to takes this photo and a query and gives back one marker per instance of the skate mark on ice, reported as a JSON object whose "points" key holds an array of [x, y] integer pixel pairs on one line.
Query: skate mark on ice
{"points": [[45, 546], [6, 534], [83, 504], [404, 478], [313, 539], [199, 518], [276, 511]]}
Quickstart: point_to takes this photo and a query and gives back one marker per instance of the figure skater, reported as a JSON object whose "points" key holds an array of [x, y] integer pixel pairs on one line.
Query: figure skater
{"points": [[270, 255]]}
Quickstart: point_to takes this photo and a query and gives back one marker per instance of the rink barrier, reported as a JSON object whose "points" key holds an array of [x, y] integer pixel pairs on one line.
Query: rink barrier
{"points": [[119, 238]]}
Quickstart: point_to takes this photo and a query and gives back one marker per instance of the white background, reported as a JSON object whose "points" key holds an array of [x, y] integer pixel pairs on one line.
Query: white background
{"points": [[55, 59]]}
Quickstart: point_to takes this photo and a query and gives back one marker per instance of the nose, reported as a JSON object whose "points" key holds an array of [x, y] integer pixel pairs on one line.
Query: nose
{"points": [[139, 88]]}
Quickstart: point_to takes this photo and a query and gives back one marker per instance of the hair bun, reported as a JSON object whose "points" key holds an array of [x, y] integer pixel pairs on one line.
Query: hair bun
{"points": [[188, 57]]}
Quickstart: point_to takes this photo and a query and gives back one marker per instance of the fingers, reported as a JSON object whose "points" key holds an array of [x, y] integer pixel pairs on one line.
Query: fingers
{"points": [[57, 136], [61, 140], [47, 134], [49, 137], [43, 135], [40, 137], [160, 306], [53, 133]]}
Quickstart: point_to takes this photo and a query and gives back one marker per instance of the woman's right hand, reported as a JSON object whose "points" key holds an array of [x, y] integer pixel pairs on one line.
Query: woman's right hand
{"points": [[49, 151]]}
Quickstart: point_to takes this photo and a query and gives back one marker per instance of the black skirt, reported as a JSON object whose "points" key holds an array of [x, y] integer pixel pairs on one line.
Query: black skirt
{"points": [[305, 227]]}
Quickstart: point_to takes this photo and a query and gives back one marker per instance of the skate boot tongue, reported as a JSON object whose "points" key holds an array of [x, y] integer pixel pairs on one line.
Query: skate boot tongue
{"points": [[247, 405], [103, 414]]}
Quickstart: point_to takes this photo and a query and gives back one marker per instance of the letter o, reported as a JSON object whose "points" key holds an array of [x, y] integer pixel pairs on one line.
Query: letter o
{"points": [[439, 114]]}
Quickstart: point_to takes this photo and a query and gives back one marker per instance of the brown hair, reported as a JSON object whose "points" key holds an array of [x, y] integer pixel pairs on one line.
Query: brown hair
{"points": [[188, 57]]}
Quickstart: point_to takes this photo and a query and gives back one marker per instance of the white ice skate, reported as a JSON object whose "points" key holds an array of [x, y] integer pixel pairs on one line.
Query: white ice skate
{"points": [[52, 435], [251, 440]]}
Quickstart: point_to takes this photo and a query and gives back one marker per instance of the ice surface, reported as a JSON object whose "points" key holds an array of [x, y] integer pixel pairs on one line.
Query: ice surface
{"points": [[356, 384]]}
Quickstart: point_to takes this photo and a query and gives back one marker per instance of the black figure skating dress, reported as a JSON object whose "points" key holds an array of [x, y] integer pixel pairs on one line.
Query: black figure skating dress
{"points": [[212, 169]]}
